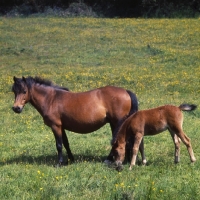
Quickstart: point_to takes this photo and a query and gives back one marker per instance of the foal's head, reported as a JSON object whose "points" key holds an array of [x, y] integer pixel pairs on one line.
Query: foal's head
{"points": [[20, 90], [118, 150]]}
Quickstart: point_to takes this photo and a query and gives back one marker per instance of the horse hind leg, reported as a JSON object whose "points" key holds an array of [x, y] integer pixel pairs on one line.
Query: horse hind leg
{"points": [[114, 129], [177, 142], [186, 140]]}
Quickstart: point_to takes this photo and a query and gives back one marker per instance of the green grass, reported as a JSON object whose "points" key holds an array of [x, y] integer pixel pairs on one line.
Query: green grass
{"points": [[158, 59]]}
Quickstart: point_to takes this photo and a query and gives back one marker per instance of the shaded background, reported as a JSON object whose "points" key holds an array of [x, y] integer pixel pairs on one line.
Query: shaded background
{"points": [[106, 8]]}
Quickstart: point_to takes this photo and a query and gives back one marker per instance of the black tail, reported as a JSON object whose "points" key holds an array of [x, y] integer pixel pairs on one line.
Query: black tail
{"points": [[134, 102], [187, 107], [134, 108]]}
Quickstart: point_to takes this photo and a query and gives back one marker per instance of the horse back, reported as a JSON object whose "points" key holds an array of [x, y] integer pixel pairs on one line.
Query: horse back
{"points": [[88, 111], [156, 120], [114, 101]]}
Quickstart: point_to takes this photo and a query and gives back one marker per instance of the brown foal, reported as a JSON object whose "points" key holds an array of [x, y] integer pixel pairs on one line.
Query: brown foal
{"points": [[151, 122]]}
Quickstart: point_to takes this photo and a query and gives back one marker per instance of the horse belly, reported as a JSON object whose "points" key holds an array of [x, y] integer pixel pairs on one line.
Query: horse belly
{"points": [[85, 123], [155, 128], [81, 127]]}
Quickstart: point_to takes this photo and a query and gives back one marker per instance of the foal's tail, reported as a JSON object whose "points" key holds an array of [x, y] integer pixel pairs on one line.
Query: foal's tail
{"points": [[134, 102], [187, 107]]}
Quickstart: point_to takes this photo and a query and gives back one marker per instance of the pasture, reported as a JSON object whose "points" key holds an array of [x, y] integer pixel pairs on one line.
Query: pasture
{"points": [[158, 59]]}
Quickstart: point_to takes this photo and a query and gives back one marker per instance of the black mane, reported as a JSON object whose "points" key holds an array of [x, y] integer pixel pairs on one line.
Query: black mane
{"points": [[45, 82], [29, 81]]}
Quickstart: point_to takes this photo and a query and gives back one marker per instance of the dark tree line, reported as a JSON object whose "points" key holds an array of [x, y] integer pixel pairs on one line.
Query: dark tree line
{"points": [[121, 8]]}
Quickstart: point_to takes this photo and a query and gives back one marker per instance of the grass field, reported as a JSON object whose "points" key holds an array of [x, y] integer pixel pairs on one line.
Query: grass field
{"points": [[158, 59]]}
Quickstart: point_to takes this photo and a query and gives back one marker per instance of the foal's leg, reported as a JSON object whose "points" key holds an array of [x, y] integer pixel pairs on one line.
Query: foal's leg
{"points": [[136, 145], [186, 140], [141, 148], [177, 142], [129, 148], [58, 137], [66, 145]]}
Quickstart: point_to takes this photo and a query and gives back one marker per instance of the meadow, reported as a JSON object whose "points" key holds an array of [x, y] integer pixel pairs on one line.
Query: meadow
{"points": [[158, 59]]}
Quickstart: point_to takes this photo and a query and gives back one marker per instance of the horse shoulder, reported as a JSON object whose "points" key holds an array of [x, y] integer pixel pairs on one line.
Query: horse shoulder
{"points": [[52, 111]]}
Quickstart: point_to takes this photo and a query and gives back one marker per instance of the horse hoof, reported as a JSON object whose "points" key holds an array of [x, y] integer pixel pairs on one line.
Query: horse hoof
{"points": [[60, 165], [193, 160], [69, 161], [177, 159], [144, 162], [119, 168]]}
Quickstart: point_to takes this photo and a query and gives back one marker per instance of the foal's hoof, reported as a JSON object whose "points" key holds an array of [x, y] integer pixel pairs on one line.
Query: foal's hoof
{"points": [[144, 162], [193, 160], [176, 160]]}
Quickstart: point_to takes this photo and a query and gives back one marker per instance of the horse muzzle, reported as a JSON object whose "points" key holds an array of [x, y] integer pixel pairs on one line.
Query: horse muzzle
{"points": [[118, 166], [17, 109]]}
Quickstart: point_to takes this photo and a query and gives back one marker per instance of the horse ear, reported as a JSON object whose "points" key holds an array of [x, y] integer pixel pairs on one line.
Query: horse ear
{"points": [[14, 79], [23, 78]]}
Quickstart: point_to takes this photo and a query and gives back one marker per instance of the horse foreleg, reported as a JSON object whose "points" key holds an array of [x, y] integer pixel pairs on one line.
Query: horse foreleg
{"points": [[129, 147], [58, 137], [136, 146], [66, 145]]}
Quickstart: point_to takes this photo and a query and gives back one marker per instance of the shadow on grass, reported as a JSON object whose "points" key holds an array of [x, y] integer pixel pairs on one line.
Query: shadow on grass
{"points": [[51, 160]]}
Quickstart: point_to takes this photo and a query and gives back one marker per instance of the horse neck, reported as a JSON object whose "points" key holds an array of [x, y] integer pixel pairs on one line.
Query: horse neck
{"points": [[121, 137], [38, 97]]}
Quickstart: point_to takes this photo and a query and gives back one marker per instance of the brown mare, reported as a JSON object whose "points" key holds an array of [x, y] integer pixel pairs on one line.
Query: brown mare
{"points": [[151, 122], [82, 112]]}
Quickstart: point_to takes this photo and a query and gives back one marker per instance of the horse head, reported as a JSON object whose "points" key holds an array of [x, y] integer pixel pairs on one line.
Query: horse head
{"points": [[20, 90], [118, 154]]}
